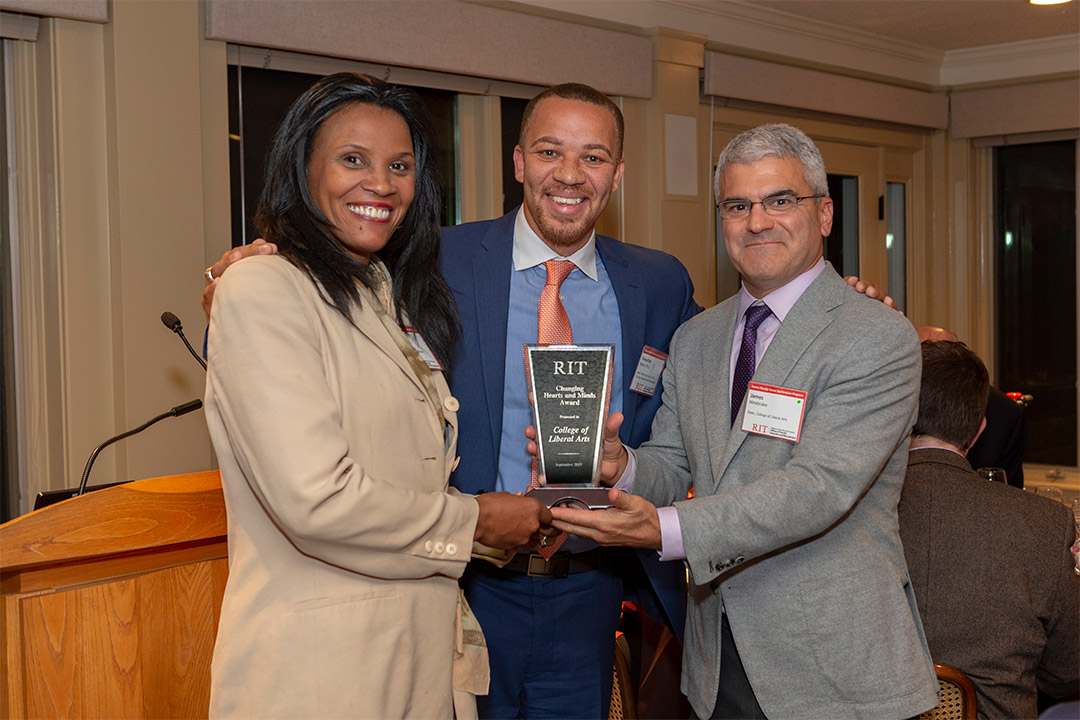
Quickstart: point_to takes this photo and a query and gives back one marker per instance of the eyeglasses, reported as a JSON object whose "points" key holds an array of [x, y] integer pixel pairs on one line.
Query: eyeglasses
{"points": [[775, 205]]}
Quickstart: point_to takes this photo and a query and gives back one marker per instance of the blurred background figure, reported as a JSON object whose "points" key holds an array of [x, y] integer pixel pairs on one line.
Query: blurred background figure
{"points": [[991, 565], [1001, 444]]}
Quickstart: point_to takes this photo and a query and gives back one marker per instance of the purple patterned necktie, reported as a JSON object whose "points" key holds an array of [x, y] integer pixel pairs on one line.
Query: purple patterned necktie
{"points": [[744, 366]]}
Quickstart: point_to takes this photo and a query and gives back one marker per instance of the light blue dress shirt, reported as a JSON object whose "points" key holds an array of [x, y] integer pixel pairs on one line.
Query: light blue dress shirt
{"points": [[593, 310]]}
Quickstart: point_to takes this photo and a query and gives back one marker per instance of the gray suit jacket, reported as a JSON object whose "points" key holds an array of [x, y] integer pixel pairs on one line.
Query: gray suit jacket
{"points": [[799, 541], [994, 578]]}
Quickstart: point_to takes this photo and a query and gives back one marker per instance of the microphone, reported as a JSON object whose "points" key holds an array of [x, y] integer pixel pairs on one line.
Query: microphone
{"points": [[173, 323], [177, 411]]}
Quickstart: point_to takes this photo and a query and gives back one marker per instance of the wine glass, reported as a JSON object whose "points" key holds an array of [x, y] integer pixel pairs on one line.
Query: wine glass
{"points": [[993, 474], [1053, 493]]}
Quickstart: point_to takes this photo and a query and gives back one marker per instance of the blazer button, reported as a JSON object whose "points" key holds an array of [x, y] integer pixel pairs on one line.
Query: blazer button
{"points": [[439, 547], [428, 546], [451, 549], [451, 403]]}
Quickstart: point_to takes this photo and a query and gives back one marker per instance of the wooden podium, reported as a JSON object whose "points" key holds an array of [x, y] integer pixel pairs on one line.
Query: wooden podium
{"points": [[111, 602]]}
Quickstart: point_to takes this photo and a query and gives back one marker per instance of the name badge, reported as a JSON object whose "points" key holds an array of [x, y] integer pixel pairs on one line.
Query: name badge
{"points": [[418, 342], [774, 411], [649, 368]]}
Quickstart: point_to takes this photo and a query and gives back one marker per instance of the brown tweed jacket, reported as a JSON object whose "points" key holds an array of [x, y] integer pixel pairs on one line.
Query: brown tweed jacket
{"points": [[994, 581]]}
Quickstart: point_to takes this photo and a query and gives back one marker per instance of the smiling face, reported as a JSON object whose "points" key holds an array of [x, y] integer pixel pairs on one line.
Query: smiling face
{"points": [[771, 250], [569, 169], [361, 176]]}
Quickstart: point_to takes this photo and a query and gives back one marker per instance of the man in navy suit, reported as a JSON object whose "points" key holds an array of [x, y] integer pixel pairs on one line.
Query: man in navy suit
{"points": [[551, 638]]}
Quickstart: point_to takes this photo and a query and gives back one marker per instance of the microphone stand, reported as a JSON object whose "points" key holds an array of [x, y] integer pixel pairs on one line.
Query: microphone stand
{"points": [[184, 409], [173, 323]]}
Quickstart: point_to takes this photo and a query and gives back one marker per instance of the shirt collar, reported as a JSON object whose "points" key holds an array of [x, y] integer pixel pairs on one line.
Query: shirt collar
{"points": [[783, 298], [530, 250], [953, 450]]}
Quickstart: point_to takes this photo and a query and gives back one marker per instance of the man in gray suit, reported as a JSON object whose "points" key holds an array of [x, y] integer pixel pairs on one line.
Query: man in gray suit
{"points": [[800, 603], [990, 564]]}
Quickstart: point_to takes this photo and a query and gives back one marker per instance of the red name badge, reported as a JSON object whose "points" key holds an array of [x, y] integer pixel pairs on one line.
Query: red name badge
{"points": [[649, 368], [774, 411]]}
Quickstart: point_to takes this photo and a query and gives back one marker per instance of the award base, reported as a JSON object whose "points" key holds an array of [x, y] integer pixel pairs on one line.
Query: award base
{"points": [[585, 498]]}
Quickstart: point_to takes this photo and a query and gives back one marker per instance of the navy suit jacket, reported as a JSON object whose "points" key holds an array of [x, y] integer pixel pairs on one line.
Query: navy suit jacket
{"points": [[655, 296], [1004, 439]]}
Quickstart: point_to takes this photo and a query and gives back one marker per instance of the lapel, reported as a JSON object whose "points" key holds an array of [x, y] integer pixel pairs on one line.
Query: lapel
{"points": [[807, 319], [630, 294], [715, 373], [492, 266], [366, 320]]}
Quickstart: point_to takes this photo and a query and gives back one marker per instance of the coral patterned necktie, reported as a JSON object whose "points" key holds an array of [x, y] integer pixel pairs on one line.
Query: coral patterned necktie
{"points": [[553, 326]]}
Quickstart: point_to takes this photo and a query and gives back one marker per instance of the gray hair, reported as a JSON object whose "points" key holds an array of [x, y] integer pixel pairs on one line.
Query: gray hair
{"points": [[778, 140]]}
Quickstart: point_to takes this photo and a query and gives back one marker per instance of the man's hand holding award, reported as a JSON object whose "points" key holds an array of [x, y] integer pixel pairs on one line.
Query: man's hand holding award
{"points": [[570, 389]]}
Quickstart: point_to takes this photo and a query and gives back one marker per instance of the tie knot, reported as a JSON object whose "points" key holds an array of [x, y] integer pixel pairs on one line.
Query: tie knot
{"points": [[755, 315], [557, 270]]}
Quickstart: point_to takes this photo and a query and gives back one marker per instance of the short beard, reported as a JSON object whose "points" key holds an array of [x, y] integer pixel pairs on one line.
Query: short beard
{"points": [[559, 236]]}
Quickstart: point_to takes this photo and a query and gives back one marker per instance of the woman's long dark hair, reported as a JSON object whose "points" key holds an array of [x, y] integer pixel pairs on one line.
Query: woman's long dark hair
{"points": [[288, 217]]}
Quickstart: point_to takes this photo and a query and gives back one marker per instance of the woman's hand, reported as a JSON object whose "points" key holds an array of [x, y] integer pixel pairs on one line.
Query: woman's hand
{"points": [[509, 521]]}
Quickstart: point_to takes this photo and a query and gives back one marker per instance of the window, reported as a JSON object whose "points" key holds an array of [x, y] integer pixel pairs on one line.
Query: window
{"points": [[896, 240], [842, 244], [1036, 291], [511, 111]]}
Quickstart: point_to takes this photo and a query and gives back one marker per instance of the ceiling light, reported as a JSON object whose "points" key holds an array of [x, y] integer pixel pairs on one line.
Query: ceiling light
{"points": [[1048, 2]]}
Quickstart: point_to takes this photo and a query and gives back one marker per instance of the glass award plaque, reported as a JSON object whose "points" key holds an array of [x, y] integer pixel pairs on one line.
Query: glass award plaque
{"points": [[570, 389]]}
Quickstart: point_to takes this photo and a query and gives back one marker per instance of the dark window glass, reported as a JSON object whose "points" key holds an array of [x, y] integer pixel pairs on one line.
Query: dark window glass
{"points": [[896, 241], [1036, 291], [262, 97], [512, 109], [842, 244]]}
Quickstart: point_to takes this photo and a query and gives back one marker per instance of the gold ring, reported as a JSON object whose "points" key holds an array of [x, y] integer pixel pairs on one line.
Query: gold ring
{"points": [[543, 541]]}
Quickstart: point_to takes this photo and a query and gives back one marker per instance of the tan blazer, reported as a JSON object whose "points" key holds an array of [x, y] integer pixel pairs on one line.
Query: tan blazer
{"points": [[345, 542]]}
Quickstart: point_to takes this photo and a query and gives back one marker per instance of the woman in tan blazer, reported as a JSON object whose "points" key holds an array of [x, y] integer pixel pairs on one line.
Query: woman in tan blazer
{"points": [[336, 433]]}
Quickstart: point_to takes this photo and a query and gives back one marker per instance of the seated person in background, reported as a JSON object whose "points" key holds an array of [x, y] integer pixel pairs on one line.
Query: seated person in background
{"points": [[1002, 443], [993, 574]]}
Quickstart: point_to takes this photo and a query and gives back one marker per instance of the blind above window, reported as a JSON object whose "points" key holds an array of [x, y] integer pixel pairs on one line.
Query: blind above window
{"points": [[784, 85], [445, 36]]}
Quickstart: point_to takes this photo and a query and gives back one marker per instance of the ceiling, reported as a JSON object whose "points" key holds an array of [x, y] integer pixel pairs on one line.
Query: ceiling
{"points": [[939, 24], [927, 44]]}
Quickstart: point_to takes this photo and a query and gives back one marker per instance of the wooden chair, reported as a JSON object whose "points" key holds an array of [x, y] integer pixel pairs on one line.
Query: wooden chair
{"points": [[956, 696], [623, 703]]}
